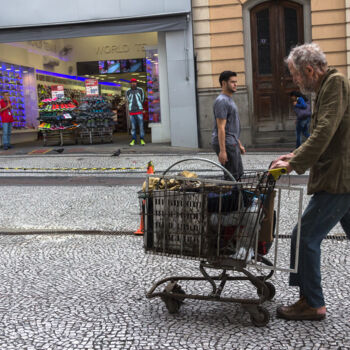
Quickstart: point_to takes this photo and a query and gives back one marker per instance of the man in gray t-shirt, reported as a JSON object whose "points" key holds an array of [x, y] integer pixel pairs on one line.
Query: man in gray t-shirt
{"points": [[226, 131]]}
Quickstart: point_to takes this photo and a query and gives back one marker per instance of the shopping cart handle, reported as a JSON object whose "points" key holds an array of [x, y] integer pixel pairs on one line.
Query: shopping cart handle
{"points": [[203, 160], [276, 173]]}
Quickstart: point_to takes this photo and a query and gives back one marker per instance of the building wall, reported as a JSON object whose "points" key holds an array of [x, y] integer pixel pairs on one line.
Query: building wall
{"points": [[218, 42], [329, 31], [219, 45], [218, 29]]}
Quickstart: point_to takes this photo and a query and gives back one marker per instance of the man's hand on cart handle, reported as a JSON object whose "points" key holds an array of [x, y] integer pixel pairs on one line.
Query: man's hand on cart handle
{"points": [[283, 162]]}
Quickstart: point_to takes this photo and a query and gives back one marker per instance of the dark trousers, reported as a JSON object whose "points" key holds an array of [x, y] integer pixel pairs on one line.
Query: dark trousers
{"points": [[234, 164], [323, 212], [302, 127]]}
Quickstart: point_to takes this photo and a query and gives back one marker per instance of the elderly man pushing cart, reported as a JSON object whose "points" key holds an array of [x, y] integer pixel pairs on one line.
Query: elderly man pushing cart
{"points": [[327, 154]]}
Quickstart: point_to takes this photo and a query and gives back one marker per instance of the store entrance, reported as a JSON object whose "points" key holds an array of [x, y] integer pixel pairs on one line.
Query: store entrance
{"points": [[78, 86]]}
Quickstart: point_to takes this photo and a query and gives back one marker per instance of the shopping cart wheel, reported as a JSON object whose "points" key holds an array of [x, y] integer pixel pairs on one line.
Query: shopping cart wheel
{"points": [[178, 290], [173, 305], [260, 317], [271, 288]]}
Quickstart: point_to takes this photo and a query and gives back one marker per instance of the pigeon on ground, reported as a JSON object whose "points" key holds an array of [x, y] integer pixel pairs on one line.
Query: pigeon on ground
{"points": [[59, 150], [116, 153]]}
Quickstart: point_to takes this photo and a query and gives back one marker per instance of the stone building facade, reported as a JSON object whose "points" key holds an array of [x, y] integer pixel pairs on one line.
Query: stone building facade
{"points": [[251, 37]]}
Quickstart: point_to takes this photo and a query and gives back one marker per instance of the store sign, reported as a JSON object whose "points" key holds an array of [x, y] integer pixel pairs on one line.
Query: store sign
{"points": [[57, 91], [121, 48], [91, 86]]}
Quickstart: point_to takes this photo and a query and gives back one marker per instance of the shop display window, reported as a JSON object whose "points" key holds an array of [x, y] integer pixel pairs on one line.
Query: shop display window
{"points": [[11, 80], [153, 85]]}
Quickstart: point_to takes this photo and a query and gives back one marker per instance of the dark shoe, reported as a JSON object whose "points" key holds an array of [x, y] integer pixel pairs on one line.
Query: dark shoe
{"points": [[6, 148], [299, 311], [9, 146]]}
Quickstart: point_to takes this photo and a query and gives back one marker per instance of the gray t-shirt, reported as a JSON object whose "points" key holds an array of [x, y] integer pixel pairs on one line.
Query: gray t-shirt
{"points": [[225, 108]]}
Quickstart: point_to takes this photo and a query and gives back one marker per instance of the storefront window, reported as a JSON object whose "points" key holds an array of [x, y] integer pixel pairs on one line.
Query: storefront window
{"points": [[16, 80], [153, 85]]}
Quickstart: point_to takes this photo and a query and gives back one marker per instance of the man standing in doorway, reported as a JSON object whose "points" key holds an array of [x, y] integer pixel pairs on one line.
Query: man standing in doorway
{"points": [[135, 98], [327, 154], [6, 119], [226, 131]]}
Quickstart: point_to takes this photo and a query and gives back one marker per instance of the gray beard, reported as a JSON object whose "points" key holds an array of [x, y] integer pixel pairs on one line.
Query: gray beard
{"points": [[309, 88]]}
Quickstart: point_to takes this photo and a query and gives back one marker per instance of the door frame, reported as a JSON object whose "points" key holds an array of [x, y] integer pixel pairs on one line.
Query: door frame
{"points": [[247, 6]]}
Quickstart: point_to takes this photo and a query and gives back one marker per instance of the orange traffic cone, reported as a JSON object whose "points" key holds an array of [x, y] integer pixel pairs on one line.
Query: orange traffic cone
{"points": [[141, 230], [150, 167]]}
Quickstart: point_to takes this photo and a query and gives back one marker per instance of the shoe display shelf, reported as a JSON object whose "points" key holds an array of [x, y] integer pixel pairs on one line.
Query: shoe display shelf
{"points": [[60, 137], [95, 120], [11, 80], [58, 121]]}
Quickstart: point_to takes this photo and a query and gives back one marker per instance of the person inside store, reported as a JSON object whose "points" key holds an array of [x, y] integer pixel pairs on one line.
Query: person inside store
{"points": [[227, 127], [74, 99], [135, 98], [6, 119], [327, 154]]}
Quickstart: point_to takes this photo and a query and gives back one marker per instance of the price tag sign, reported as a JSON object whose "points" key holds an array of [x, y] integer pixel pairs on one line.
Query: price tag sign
{"points": [[57, 91], [91, 87]]}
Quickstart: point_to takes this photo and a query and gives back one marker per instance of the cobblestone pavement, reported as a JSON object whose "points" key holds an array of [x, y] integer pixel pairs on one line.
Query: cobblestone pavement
{"points": [[106, 208], [88, 292]]}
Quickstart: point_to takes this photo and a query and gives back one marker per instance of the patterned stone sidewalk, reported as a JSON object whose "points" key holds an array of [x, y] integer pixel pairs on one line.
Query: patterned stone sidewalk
{"points": [[88, 292]]}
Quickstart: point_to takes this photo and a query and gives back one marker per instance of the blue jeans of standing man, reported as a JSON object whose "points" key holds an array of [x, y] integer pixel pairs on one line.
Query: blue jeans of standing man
{"points": [[302, 127], [323, 212], [6, 134], [137, 119]]}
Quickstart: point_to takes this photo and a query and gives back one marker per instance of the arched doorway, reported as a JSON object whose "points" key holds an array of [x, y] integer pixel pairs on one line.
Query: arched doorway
{"points": [[276, 26]]}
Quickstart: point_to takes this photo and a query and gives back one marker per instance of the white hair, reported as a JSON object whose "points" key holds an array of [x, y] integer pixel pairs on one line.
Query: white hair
{"points": [[307, 54]]}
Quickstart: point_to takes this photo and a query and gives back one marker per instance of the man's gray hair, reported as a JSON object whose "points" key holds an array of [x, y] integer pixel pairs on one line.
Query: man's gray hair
{"points": [[307, 54]]}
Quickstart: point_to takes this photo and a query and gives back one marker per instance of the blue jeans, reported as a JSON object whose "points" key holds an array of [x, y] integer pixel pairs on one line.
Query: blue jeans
{"points": [[302, 127], [137, 119], [6, 134], [323, 212]]}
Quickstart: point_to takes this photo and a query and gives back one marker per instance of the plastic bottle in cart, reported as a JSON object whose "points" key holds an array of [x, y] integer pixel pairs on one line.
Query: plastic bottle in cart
{"points": [[231, 219], [255, 204]]}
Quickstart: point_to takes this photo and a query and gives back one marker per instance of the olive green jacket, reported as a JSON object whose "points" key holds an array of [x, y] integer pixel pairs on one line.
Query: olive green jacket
{"points": [[327, 151]]}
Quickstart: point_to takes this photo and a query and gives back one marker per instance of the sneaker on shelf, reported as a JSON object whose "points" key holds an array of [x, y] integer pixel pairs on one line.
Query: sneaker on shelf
{"points": [[142, 142], [132, 143]]}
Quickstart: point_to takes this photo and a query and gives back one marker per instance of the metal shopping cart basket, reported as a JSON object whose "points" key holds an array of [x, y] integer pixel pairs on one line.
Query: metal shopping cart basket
{"points": [[216, 222]]}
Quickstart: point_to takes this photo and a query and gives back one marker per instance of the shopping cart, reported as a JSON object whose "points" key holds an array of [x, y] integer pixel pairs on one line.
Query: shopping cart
{"points": [[215, 221]]}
